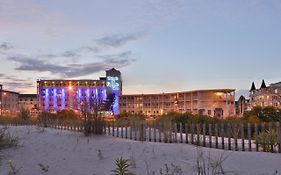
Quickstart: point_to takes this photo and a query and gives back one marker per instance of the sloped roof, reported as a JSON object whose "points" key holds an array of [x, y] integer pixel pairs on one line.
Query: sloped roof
{"points": [[253, 88], [263, 86]]}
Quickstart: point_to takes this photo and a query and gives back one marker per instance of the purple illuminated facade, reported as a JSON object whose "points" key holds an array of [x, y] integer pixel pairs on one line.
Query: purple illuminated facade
{"points": [[56, 95]]}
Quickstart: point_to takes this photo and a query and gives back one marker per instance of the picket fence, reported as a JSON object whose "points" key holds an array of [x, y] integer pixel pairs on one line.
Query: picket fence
{"points": [[264, 137]]}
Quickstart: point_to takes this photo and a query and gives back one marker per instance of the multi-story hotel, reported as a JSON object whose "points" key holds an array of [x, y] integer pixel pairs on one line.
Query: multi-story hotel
{"points": [[29, 101], [8, 102], [215, 103], [266, 96], [56, 95]]}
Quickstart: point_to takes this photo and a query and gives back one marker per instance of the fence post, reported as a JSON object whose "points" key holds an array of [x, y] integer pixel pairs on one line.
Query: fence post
{"points": [[204, 135], [249, 137], [154, 132], [159, 132], [181, 138], [217, 135], [149, 132], [192, 133], [186, 133], [229, 136], [131, 130], [242, 136], [141, 131], [222, 135], [263, 137], [271, 138], [136, 130], [278, 137], [176, 132], [126, 130], [171, 132], [236, 133], [113, 128], [198, 127], [210, 135], [257, 137], [144, 130], [122, 129]]}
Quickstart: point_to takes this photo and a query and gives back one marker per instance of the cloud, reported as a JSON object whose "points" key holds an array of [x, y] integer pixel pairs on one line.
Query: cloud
{"points": [[118, 40], [14, 83], [73, 70], [5, 46]]}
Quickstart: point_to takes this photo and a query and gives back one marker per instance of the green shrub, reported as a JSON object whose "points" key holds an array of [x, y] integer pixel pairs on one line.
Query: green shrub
{"points": [[122, 167], [7, 140]]}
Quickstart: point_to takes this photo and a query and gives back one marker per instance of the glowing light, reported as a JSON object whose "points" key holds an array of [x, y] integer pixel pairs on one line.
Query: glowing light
{"points": [[219, 93], [70, 88]]}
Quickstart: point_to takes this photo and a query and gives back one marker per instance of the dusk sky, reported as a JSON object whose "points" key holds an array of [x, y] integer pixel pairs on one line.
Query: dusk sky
{"points": [[159, 45]]}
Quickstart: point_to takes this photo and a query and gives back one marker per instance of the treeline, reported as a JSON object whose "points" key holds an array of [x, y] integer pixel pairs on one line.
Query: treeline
{"points": [[257, 115]]}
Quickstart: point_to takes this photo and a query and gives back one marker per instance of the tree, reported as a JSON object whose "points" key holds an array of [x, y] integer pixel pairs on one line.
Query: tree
{"points": [[265, 114], [109, 102], [91, 109], [24, 114]]}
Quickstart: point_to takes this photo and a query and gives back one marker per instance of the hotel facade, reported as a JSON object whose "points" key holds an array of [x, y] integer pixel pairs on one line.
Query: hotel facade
{"points": [[56, 95], [8, 102], [266, 95], [218, 103]]}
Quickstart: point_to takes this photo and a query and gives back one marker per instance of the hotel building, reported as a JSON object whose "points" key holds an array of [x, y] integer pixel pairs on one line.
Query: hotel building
{"points": [[8, 102], [29, 101], [56, 95], [218, 103], [266, 96]]}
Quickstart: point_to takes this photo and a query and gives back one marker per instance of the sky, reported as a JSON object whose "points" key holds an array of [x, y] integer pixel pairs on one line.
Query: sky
{"points": [[158, 45]]}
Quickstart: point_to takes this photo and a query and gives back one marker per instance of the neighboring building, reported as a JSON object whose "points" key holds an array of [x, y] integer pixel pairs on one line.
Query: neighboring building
{"points": [[266, 96], [56, 95], [29, 101], [215, 103], [8, 102], [241, 106]]}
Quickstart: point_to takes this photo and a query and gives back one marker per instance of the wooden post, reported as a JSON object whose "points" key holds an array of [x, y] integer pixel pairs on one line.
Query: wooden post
{"points": [[159, 132], [154, 132], [122, 129], [236, 136], [141, 131], [176, 132], [149, 132], [144, 131], [210, 135], [198, 133], [242, 136], [131, 130], [136, 130], [186, 133], [204, 135], [126, 129], [229, 136], [171, 132], [257, 137], [263, 137], [108, 127], [249, 137], [271, 138], [181, 138], [113, 130], [222, 135], [217, 135], [278, 136], [192, 133]]}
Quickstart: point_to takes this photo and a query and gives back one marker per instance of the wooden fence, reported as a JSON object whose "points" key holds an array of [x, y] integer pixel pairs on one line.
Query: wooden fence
{"points": [[265, 137]]}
